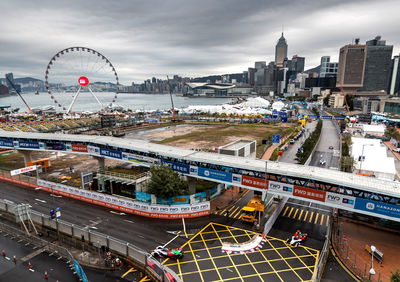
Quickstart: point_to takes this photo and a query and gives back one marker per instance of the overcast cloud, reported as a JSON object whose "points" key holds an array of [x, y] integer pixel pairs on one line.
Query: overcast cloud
{"points": [[190, 38]]}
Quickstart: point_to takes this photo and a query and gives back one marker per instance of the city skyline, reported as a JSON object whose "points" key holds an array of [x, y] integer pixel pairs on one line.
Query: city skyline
{"points": [[155, 39]]}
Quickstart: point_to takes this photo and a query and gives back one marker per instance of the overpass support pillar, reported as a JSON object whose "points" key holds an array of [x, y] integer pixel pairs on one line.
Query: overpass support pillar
{"points": [[192, 184], [101, 161], [27, 156]]}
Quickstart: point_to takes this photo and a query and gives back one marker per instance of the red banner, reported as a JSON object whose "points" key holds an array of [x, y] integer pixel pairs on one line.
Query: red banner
{"points": [[309, 193], [254, 182], [79, 148]]}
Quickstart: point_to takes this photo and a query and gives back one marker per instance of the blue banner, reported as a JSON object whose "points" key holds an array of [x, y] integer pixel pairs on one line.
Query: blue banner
{"points": [[326, 117], [313, 116], [276, 139], [179, 167], [56, 146], [143, 197], [6, 143], [339, 117], [29, 144], [111, 153], [377, 207], [215, 174]]}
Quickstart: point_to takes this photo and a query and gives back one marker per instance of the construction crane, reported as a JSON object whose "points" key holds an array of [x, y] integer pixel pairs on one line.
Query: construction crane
{"points": [[173, 118], [19, 94]]}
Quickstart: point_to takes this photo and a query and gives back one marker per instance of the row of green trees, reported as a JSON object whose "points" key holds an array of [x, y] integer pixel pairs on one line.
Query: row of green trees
{"points": [[309, 144], [346, 161]]}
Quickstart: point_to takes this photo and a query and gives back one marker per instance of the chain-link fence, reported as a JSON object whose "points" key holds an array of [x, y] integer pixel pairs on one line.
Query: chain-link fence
{"points": [[351, 259]]}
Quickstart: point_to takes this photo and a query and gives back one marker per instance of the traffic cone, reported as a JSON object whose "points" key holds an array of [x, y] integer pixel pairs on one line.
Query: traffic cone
{"points": [[29, 265]]}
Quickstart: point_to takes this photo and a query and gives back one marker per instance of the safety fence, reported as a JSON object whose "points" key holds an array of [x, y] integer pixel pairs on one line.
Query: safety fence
{"points": [[45, 246], [356, 264], [323, 255], [95, 240]]}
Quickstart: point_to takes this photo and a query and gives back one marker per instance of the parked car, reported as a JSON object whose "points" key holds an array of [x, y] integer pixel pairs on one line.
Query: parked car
{"points": [[330, 147], [397, 150]]}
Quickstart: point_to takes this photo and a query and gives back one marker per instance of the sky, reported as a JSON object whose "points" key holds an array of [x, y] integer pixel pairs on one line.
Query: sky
{"points": [[146, 38]]}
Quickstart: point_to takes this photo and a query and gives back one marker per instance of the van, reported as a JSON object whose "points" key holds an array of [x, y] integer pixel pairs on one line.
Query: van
{"points": [[397, 150]]}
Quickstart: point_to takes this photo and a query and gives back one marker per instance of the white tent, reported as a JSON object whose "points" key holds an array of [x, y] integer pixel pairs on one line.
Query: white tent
{"points": [[256, 102], [279, 105]]}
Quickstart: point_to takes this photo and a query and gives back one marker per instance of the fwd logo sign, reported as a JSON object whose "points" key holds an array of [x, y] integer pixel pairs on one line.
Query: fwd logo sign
{"points": [[333, 198], [274, 186]]}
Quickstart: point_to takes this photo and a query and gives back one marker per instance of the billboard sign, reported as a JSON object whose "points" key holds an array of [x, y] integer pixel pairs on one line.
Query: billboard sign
{"points": [[178, 167], [79, 148], [279, 187], [111, 153], [309, 193], [215, 174], [340, 200], [29, 144], [6, 143], [276, 139], [142, 160], [23, 170], [254, 182], [377, 207], [326, 117]]}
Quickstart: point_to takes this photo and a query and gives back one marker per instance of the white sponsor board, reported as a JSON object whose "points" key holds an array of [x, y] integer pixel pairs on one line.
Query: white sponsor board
{"points": [[126, 203], [279, 187], [23, 170], [340, 200]]}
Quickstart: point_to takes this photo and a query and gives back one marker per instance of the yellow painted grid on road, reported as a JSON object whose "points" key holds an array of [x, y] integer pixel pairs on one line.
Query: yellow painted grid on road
{"points": [[235, 233], [313, 217]]}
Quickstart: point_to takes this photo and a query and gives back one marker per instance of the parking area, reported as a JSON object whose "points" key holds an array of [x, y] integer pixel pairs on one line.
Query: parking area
{"points": [[274, 261]]}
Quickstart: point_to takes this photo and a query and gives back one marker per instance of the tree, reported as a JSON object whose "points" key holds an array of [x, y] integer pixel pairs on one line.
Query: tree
{"points": [[395, 276], [165, 183]]}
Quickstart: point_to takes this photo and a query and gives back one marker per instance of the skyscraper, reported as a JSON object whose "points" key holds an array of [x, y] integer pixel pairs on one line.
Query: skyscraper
{"points": [[351, 68], [297, 64], [328, 68], [10, 77], [281, 51], [377, 65], [394, 88]]}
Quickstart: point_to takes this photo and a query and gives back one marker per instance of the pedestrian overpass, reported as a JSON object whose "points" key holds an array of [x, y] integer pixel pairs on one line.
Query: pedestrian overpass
{"points": [[367, 195]]}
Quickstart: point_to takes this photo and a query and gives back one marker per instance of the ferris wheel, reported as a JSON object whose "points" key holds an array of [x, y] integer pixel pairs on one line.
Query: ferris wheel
{"points": [[77, 75]]}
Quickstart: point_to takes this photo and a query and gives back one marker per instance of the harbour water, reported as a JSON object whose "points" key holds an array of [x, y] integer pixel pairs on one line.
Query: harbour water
{"points": [[86, 102]]}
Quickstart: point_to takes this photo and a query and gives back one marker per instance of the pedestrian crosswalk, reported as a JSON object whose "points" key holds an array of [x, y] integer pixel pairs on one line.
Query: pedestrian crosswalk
{"points": [[232, 212], [311, 216]]}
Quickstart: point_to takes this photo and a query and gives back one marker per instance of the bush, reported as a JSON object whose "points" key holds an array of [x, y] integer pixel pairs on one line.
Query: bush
{"points": [[309, 144]]}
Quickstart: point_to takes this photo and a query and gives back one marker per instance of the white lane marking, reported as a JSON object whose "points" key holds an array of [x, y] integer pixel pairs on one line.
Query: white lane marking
{"points": [[117, 213], [229, 269], [130, 221], [140, 236], [171, 240], [39, 200], [31, 269], [56, 196]]}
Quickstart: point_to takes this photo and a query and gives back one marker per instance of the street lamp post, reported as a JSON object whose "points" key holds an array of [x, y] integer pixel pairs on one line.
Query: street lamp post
{"points": [[372, 270]]}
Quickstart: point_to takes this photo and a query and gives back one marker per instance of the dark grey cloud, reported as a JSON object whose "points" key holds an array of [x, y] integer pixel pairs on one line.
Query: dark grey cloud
{"points": [[146, 38]]}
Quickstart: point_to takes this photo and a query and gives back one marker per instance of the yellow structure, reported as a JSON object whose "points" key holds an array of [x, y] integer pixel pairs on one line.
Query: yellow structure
{"points": [[44, 163], [253, 210]]}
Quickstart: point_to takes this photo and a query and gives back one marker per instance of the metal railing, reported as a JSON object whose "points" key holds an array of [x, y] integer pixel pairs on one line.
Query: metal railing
{"points": [[323, 255], [122, 175]]}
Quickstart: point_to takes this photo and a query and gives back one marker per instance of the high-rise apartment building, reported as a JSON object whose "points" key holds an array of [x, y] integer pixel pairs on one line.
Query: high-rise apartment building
{"points": [[250, 76], [377, 65], [281, 49], [328, 68], [394, 88], [297, 64], [350, 76], [259, 73]]}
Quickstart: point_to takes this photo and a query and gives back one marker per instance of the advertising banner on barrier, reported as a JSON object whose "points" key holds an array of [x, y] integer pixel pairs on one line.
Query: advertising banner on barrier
{"points": [[309, 193], [237, 178], [6, 143], [341, 200], [79, 148], [254, 182], [215, 174], [29, 145], [93, 150], [179, 167], [55, 146], [111, 153], [23, 170], [377, 207], [142, 160], [280, 187], [193, 170]]}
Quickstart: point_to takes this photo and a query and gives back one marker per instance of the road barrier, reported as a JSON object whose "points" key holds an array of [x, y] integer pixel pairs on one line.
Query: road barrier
{"points": [[95, 240]]}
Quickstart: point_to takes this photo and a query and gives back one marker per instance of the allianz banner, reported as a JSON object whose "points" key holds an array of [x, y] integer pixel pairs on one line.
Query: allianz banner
{"points": [[377, 207]]}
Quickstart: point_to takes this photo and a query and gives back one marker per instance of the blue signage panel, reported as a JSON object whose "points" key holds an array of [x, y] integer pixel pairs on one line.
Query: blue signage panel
{"points": [[111, 153], [215, 174], [339, 117], [179, 167], [6, 143], [326, 117], [276, 139], [313, 116], [29, 144], [377, 207]]}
